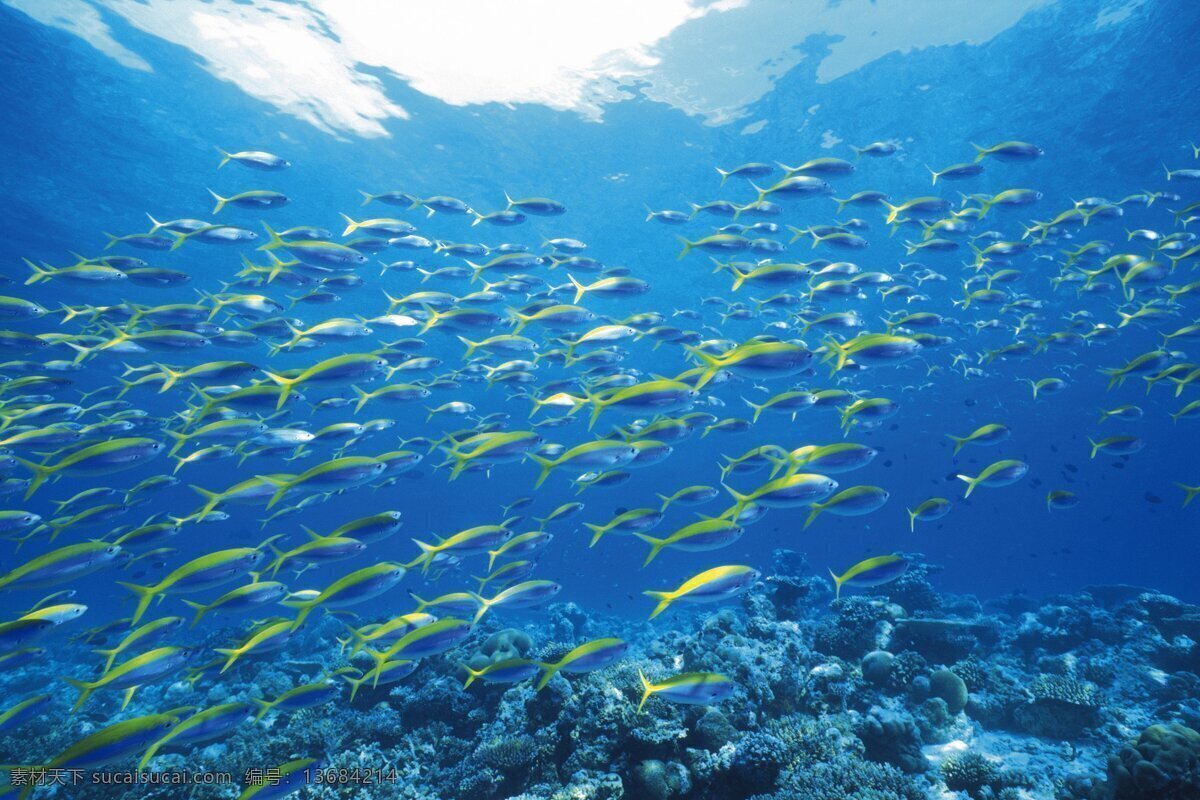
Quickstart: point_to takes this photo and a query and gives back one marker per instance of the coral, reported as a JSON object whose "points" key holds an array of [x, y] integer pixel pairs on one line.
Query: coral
{"points": [[945, 640], [935, 720], [810, 740], [877, 667], [892, 738], [854, 630], [757, 761], [912, 590], [1163, 764], [1061, 627], [713, 730], [830, 686], [508, 754], [973, 672], [907, 666], [708, 768], [947, 686], [831, 704], [850, 779], [1060, 707], [656, 780], [591, 786], [567, 622], [791, 586], [969, 772]]}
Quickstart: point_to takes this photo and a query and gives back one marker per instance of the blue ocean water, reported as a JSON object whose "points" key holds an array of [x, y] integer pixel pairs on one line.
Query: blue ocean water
{"points": [[1105, 89]]}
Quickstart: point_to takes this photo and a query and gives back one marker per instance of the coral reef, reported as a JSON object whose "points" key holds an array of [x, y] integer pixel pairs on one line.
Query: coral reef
{"points": [[1163, 764], [1014, 700]]}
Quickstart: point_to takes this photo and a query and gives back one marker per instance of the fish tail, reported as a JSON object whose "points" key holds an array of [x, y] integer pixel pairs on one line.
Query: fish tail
{"points": [[201, 610], [40, 274], [519, 319], [280, 559], [285, 383], [264, 706], [912, 520], [363, 397], [740, 500], [817, 508], [221, 201], [40, 474], [1115, 377], [711, 364], [180, 238], [1095, 446], [598, 406], [231, 656], [211, 500], [656, 546], [934, 173], [110, 657], [472, 675], [546, 465], [838, 352], [471, 346], [580, 289], [893, 212], [421, 603], [597, 532], [85, 691], [971, 482], [170, 377], [484, 605], [739, 277], [180, 441], [351, 225], [426, 557], [492, 555], [226, 157], [1189, 492], [282, 488], [687, 247], [664, 599], [144, 595], [647, 690], [355, 683], [302, 615], [980, 153], [837, 585], [273, 240], [550, 671]]}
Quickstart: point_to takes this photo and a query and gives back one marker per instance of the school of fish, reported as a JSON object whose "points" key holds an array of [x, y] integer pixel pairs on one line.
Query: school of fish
{"points": [[835, 345]]}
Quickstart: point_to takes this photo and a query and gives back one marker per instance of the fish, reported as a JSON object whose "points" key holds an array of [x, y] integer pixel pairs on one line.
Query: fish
{"points": [[997, 474], [707, 534], [690, 688], [927, 511], [875, 571], [711, 586], [587, 657], [254, 159], [351, 589], [852, 502]]}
